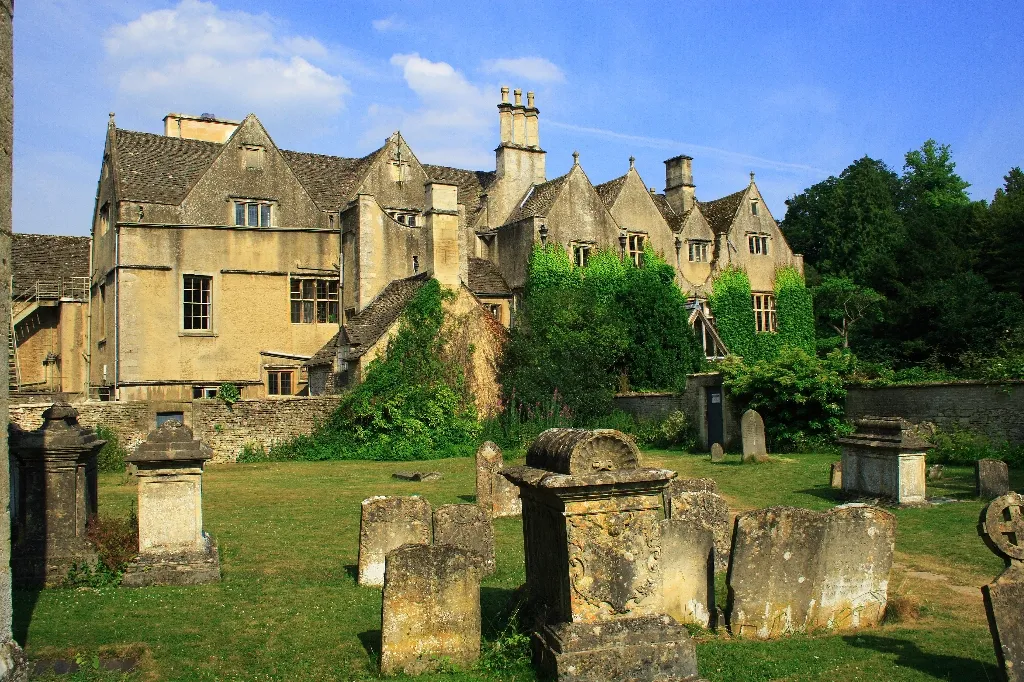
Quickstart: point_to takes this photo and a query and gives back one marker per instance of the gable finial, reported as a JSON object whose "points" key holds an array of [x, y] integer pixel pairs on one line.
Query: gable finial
{"points": [[632, 160], [575, 158], [110, 120], [751, 177]]}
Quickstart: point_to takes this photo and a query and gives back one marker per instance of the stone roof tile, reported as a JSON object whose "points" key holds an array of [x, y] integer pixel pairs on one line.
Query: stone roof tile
{"points": [[485, 278], [364, 328], [330, 180], [720, 212], [540, 199], [160, 169], [46, 258], [609, 191]]}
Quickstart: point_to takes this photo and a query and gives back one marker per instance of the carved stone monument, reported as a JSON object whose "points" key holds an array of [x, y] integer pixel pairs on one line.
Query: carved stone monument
{"points": [[57, 489], [173, 549], [794, 570], [991, 478], [752, 430], [1002, 527], [592, 535], [468, 527], [385, 524], [884, 458], [431, 611], [494, 493]]}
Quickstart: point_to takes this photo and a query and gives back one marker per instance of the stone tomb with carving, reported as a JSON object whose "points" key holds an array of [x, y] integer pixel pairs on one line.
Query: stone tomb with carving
{"points": [[56, 494], [1002, 527], [173, 549], [592, 535], [884, 458]]}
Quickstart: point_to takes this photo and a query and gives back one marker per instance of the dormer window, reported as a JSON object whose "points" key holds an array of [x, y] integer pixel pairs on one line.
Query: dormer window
{"points": [[698, 251], [753, 207], [758, 244], [252, 157], [252, 213], [401, 218]]}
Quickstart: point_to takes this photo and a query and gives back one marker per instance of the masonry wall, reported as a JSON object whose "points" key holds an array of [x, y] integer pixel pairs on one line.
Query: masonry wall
{"points": [[225, 429], [994, 409]]}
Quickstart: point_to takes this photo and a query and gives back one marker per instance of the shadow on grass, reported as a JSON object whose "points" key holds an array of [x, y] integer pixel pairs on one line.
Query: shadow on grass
{"points": [[24, 602], [353, 572], [834, 495], [497, 607], [370, 639], [468, 498], [909, 655]]}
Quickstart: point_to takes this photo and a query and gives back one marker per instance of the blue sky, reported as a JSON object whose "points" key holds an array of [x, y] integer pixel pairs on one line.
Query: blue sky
{"points": [[794, 93]]}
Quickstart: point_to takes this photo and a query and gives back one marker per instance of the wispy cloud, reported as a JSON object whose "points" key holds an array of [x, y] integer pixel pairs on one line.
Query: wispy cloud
{"points": [[389, 24], [529, 68], [677, 145]]}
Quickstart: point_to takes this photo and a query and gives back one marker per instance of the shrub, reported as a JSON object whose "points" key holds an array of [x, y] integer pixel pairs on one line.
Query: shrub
{"points": [[111, 456], [961, 446], [252, 451], [117, 542], [229, 393], [676, 431]]}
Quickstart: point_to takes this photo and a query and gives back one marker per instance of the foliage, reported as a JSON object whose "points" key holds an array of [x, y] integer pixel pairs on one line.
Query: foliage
{"points": [[962, 446], [252, 451], [412, 404], [676, 431], [841, 303], [116, 539], [111, 456], [800, 395], [229, 393], [734, 315], [795, 310]]}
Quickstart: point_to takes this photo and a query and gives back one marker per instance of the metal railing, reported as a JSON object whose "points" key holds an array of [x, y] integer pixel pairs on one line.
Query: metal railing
{"points": [[65, 289]]}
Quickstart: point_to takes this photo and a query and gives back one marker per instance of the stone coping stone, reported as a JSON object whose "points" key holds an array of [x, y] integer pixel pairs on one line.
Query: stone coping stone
{"points": [[885, 433], [582, 451], [541, 478]]}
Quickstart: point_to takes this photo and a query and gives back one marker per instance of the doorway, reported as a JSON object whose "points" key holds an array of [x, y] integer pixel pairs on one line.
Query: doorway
{"points": [[716, 430]]}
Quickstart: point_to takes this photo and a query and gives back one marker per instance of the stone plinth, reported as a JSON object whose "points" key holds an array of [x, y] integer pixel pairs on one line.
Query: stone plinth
{"points": [[796, 570], [592, 535], [991, 478], [494, 493], [431, 611], [752, 430], [57, 490], [468, 527], [884, 459], [173, 549], [387, 523], [1002, 527]]}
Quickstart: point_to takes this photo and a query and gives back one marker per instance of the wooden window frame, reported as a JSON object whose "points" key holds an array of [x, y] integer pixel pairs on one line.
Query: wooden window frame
{"points": [[765, 318], [195, 312], [314, 300]]}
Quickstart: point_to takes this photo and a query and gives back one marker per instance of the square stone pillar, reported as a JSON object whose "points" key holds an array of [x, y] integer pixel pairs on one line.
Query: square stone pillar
{"points": [[57, 494], [173, 549], [593, 560], [883, 458]]}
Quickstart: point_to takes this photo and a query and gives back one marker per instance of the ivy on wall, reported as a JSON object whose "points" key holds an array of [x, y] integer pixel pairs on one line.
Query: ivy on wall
{"points": [[730, 302], [795, 310]]}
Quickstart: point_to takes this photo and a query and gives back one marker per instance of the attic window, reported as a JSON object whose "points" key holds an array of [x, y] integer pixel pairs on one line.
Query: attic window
{"points": [[252, 157], [758, 244], [403, 218], [253, 213], [698, 251], [753, 207]]}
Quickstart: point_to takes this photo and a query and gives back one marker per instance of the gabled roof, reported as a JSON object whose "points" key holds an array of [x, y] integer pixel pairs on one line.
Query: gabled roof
{"points": [[330, 180], [366, 327], [158, 168], [720, 212], [609, 191], [46, 258], [471, 184], [485, 279], [539, 200]]}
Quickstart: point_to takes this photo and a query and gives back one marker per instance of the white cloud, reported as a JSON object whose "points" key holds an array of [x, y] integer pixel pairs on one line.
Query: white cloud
{"points": [[196, 57], [529, 68], [388, 24]]}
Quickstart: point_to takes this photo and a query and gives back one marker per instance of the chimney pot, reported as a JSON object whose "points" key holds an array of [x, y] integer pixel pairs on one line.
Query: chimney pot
{"points": [[519, 97], [504, 95], [529, 99]]}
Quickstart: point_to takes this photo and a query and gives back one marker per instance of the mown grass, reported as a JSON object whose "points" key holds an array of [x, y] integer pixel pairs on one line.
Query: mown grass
{"points": [[288, 607]]}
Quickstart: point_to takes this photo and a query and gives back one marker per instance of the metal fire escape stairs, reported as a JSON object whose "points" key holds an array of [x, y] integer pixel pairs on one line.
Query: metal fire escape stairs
{"points": [[22, 306]]}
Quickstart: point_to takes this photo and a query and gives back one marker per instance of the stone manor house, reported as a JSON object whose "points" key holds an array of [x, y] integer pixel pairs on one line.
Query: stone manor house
{"points": [[218, 257]]}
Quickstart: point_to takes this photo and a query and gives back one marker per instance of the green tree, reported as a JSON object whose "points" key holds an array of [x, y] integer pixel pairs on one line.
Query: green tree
{"points": [[840, 303], [1005, 262]]}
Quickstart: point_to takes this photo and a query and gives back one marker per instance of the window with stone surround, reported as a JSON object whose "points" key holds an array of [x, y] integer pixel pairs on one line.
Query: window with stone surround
{"points": [[581, 254], [758, 244], [753, 207], [698, 251], [196, 304], [280, 382], [635, 248], [764, 313], [252, 157], [253, 213], [314, 300]]}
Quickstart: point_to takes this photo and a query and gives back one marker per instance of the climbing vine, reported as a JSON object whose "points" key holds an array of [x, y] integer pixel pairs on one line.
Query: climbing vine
{"points": [[795, 310], [730, 302]]}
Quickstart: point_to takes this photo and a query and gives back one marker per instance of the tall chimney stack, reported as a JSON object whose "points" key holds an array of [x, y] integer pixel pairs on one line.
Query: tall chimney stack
{"points": [[679, 187]]}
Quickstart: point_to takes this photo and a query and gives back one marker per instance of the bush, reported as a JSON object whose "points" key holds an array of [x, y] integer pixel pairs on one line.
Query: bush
{"points": [[111, 456], [229, 393], [252, 452], [964, 447], [116, 540], [677, 431]]}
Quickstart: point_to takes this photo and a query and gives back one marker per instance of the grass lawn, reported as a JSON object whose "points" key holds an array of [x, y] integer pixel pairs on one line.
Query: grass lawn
{"points": [[288, 607]]}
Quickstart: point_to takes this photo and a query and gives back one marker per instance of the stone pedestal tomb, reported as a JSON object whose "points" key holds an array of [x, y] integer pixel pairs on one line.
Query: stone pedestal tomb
{"points": [[1002, 527], [883, 458], [592, 535], [173, 549], [56, 494]]}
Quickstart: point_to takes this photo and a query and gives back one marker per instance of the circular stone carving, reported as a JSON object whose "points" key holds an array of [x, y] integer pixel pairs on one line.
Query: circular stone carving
{"points": [[1003, 524]]}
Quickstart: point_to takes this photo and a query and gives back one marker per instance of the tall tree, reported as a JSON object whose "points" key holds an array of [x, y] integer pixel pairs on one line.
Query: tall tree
{"points": [[1005, 263]]}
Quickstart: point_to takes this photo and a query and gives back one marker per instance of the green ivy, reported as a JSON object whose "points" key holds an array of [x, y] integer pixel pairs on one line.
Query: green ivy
{"points": [[795, 310], [731, 304]]}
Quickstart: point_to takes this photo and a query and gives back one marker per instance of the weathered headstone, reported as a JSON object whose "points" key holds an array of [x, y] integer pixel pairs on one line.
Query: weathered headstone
{"points": [[1002, 527], [468, 527], [688, 581], [696, 501], [173, 549], [493, 491], [752, 430], [884, 457], [431, 610], [796, 570], [717, 453], [387, 523], [835, 475], [57, 494], [592, 535], [935, 472], [991, 478]]}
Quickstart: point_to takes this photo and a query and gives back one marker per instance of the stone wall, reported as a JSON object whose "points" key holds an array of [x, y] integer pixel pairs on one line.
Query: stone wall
{"points": [[986, 407], [649, 405], [225, 429]]}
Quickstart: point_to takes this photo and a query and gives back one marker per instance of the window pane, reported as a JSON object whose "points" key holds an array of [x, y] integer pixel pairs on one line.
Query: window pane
{"points": [[321, 311], [296, 290], [296, 312], [332, 311], [321, 289], [307, 289], [332, 289], [272, 387], [307, 312], [265, 215], [239, 213], [253, 214], [286, 383]]}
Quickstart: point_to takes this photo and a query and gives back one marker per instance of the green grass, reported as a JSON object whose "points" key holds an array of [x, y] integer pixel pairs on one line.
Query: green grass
{"points": [[288, 607]]}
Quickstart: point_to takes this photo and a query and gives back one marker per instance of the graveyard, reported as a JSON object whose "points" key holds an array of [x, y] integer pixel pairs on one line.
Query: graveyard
{"points": [[289, 606]]}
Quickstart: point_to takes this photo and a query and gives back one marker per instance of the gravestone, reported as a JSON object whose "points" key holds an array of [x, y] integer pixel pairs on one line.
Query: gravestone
{"points": [[430, 617], [935, 472], [796, 570], [173, 549], [696, 501], [493, 491], [593, 546], [1002, 527], [752, 429], [57, 489], [835, 475], [991, 478], [884, 458], [468, 527], [387, 523], [688, 580], [717, 453]]}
